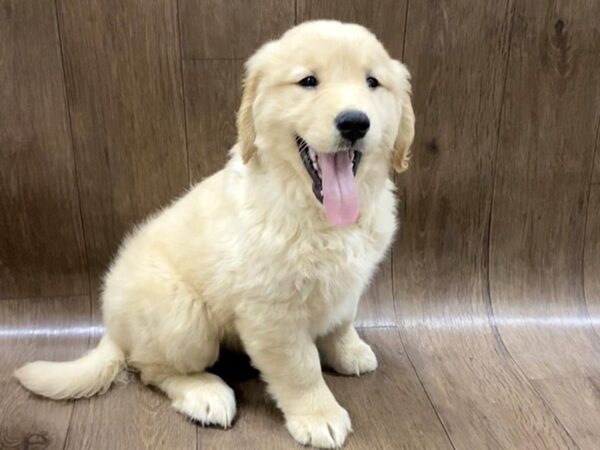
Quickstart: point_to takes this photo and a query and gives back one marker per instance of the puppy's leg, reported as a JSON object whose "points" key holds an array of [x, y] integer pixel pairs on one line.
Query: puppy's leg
{"points": [[345, 352], [289, 362], [203, 397]]}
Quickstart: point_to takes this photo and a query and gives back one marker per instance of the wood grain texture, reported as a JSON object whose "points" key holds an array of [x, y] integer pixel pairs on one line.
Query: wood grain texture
{"points": [[389, 407], [212, 96], [591, 274], [376, 306], [132, 416], [50, 329], [232, 29], [123, 74], [495, 278], [596, 174], [41, 243], [576, 402], [536, 240], [386, 18], [440, 275], [483, 400], [440, 253]]}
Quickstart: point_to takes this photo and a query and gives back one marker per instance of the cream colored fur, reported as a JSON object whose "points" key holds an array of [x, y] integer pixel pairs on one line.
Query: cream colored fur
{"points": [[89, 375], [247, 257]]}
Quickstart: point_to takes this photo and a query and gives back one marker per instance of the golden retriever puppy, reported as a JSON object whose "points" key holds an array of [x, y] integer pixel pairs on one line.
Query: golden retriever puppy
{"points": [[272, 252]]}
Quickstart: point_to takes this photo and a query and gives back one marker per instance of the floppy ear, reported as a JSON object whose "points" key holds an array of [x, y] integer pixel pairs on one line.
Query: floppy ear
{"points": [[406, 130], [245, 117]]}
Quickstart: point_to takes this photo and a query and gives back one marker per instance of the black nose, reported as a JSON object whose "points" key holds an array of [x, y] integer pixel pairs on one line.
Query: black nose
{"points": [[352, 124]]}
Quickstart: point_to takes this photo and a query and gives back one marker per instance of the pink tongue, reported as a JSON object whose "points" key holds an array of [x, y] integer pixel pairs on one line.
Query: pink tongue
{"points": [[340, 194]]}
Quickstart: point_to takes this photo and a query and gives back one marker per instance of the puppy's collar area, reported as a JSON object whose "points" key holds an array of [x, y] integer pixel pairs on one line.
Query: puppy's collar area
{"points": [[333, 181]]}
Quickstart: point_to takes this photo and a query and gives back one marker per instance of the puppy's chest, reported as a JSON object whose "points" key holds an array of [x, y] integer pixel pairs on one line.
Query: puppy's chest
{"points": [[329, 272], [326, 258]]}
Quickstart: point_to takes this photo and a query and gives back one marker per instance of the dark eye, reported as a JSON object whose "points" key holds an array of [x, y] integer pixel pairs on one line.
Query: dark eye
{"points": [[308, 82], [372, 82]]}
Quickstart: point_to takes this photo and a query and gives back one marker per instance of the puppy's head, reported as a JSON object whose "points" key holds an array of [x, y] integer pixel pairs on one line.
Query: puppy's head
{"points": [[327, 103]]}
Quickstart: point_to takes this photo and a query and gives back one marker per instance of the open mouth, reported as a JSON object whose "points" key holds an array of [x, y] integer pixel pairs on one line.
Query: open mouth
{"points": [[311, 163], [333, 181]]}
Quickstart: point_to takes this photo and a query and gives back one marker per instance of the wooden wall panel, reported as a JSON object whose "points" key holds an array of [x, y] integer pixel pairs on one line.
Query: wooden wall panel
{"points": [[508, 113], [440, 254], [41, 243], [542, 182], [386, 18], [232, 29], [440, 259], [376, 307], [212, 97], [124, 84], [49, 329], [596, 175], [591, 274]]}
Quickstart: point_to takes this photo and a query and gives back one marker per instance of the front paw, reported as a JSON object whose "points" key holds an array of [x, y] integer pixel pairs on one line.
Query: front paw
{"points": [[354, 359], [327, 429], [214, 405]]}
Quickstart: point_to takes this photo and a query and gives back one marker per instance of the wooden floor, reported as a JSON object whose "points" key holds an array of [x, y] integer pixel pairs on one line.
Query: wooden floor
{"points": [[441, 386]]}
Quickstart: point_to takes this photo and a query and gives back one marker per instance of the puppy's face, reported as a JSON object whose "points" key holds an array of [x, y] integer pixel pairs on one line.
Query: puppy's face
{"points": [[327, 102]]}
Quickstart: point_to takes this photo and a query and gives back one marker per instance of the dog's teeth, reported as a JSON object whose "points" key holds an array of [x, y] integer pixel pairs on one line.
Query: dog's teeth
{"points": [[313, 160]]}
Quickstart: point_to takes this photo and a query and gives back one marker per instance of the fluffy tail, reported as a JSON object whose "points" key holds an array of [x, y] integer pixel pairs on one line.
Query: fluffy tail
{"points": [[84, 377]]}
